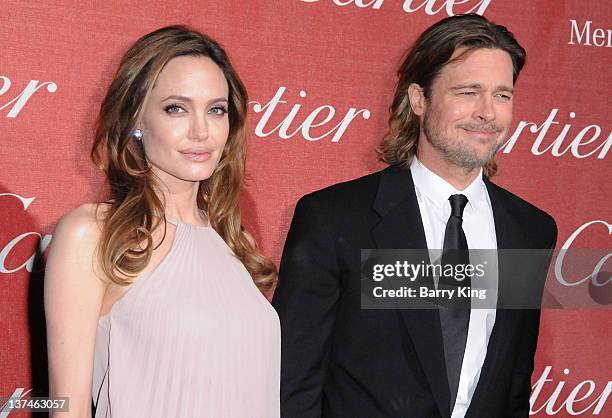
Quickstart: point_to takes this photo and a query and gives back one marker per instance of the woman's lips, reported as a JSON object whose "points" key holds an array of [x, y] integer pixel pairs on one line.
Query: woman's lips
{"points": [[199, 156]]}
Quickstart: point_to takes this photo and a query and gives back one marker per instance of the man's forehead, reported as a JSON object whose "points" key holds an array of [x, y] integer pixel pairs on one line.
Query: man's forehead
{"points": [[463, 53], [478, 61]]}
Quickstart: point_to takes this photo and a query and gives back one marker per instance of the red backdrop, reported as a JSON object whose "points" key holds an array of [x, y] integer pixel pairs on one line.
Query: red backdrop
{"points": [[329, 61]]}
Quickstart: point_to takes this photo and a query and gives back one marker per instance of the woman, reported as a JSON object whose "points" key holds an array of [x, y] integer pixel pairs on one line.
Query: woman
{"points": [[152, 297]]}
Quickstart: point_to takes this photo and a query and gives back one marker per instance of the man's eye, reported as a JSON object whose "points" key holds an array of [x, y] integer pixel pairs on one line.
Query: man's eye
{"points": [[173, 109], [468, 93], [504, 97]]}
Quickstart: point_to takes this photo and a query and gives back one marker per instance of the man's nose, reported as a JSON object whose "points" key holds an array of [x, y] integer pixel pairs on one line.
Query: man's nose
{"points": [[485, 109]]}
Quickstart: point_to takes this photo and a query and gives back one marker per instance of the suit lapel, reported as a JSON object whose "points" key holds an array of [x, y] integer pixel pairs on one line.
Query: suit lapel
{"points": [[508, 232], [401, 227], [508, 229]]}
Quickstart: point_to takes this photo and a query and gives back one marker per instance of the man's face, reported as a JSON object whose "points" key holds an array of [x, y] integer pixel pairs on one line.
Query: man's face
{"points": [[469, 111]]}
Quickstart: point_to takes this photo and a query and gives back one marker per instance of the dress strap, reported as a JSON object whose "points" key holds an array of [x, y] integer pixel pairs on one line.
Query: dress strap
{"points": [[176, 222], [172, 220]]}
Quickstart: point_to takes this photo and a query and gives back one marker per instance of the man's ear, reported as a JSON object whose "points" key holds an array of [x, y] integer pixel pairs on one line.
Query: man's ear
{"points": [[416, 95]]}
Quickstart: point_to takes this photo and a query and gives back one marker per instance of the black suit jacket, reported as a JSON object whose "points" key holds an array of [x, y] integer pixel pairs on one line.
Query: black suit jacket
{"points": [[339, 361]]}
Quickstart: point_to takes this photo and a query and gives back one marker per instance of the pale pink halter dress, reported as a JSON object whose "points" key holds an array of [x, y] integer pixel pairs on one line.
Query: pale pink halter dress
{"points": [[192, 338]]}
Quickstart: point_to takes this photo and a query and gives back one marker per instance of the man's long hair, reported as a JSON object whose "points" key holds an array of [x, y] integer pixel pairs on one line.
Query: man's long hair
{"points": [[135, 207], [422, 64]]}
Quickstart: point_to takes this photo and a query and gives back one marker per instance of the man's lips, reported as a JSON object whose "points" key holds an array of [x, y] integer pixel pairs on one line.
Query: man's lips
{"points": [[481, 132]]}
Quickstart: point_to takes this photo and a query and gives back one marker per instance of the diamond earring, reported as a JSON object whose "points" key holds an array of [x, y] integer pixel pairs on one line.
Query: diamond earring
{"points": [[137, 135]]}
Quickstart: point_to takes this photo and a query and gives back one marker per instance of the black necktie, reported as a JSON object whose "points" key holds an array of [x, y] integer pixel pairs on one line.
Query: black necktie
{"points": [[455, 318]]}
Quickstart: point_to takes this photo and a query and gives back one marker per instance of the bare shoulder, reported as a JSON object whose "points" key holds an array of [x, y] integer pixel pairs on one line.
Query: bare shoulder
{"points": [[82, 224], [76, 237]]}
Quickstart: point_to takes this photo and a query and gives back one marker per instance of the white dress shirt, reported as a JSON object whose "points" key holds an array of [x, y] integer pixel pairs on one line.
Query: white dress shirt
{"points": [[432, 193]]}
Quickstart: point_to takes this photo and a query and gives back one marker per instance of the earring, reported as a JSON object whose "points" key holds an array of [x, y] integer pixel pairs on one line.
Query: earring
{"points": [[137, 135]]}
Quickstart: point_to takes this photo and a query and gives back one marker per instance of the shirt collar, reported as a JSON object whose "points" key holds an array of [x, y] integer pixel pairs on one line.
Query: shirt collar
{"points": [[438, 190]]}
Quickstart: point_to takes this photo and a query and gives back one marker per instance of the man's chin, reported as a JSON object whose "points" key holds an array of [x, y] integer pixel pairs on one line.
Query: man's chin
{"points": [[470, 158]]}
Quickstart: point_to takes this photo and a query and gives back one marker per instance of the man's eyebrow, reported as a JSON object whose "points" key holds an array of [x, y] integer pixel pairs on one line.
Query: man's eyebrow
{"points": [[474, 86], [505, 88], [478, 86]]}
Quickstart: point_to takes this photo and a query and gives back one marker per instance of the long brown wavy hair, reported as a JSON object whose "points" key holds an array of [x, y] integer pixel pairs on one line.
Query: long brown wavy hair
{"points": [[422, 64], [128, 219]]}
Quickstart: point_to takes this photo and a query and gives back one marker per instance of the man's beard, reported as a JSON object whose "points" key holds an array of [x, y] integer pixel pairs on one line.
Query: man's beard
{"points": [[457, 151]]}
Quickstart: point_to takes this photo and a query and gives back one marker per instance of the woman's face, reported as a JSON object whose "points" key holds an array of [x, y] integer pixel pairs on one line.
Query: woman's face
{"points": [[185, 121]]}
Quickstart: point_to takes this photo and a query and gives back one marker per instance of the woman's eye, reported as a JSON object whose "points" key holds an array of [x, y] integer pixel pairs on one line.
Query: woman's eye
{"points": [[218, 110], [173, 109]]}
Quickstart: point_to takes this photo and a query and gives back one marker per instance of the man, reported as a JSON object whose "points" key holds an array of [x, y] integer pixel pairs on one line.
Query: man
{"points": [[451, 112]]}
